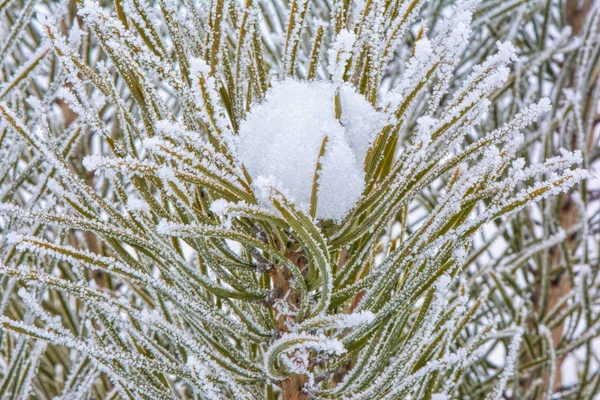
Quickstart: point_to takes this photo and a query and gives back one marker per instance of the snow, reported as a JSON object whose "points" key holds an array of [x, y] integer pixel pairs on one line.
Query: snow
{"points": [[340, 54], [294, 348], [219, 207], [92, 162], [135, 203], [199, 290], [509, 367], [166, 173], [13, 237], [280, 139]]}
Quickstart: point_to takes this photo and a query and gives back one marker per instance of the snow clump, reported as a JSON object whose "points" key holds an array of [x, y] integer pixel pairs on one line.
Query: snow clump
{"points": [[280, 139]]}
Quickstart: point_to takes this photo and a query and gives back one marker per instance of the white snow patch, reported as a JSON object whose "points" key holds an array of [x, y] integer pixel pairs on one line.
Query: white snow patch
{"points": [[280, 139], [166, 173], [219, 207], [340, 53], [135, 203], [13, 237], [92, 162]]}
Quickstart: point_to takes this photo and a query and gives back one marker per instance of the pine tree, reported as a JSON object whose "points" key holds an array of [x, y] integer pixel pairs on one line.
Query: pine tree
{"points": [[326, 199]]}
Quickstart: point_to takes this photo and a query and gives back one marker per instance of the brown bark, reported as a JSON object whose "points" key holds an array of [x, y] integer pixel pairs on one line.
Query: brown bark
{"points": [[576, 12], [291, 386], [560, 284]]}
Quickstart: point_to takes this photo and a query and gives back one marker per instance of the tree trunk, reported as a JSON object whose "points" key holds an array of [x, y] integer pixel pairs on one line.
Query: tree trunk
{"points": [[560, 285], [292, 386]]}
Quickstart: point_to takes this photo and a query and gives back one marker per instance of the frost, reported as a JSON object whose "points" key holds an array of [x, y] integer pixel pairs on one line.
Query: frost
{"points": [[13, 237], [509, 368], [354, 319], [166, 173], [92, 162], [279, 141], [294, 349], [76, 34], [347, 199], [340, 53], [137, 204], [219, 207]]}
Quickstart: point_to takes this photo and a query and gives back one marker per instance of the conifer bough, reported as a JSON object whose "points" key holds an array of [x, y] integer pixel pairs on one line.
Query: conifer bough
{"points": [[270, 199]]}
